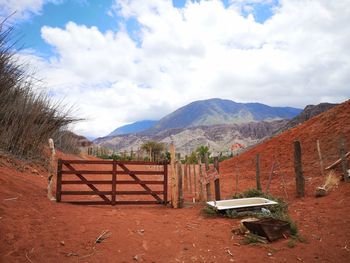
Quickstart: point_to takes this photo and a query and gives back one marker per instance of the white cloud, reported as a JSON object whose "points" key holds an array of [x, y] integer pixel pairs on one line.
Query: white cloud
{"points": [[22, 8], [297, 57]]}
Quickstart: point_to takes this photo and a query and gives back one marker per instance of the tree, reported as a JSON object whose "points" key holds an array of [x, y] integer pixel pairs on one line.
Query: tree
{"points": [[192, 159], [202, 150], [154, 149]]}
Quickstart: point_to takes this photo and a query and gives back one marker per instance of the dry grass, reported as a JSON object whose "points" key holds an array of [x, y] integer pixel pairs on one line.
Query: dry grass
{"points": [[27, 118], [331, 181]]}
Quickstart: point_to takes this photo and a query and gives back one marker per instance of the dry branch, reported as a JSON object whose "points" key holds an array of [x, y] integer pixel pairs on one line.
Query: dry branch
{"points": [[337, 162], [104, 235], [28, 258]]}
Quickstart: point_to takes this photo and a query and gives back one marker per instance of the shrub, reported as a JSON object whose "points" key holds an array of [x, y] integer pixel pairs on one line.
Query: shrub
{"points": [[27, 118], [278, 211]]}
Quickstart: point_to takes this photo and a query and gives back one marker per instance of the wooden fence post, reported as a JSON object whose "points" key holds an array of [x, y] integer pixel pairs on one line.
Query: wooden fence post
{"points": [[59, 181], [258, 184], [173, 178], [51, 170], [180, 185], [201, 190], [320, 157], [114, 182], [195, 181], [206, 161], [186, 182], [208, 190], [217, 180], [190, 178], [165, 188], [299, 177], [207, 186], [342, 151]]}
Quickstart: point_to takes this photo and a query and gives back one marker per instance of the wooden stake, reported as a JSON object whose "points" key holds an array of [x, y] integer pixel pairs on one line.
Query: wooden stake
{"points": [[343, 159], [190, 178], [217, 180], [180, 185], [195, 181], [186, 184], [258, 184], [320, 157], [173, 177], [59, 180], [299, 177], [208, 190], [51, 170], [201, 188]]}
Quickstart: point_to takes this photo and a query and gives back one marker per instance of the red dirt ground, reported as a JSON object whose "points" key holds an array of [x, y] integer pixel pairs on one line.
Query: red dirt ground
{"points": [[34, 229]]}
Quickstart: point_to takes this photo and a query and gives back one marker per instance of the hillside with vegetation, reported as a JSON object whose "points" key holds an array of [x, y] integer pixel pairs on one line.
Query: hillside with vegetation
{"points": [[28, 118]]}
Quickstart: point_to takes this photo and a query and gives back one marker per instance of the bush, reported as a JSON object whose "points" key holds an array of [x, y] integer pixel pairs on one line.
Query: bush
{"points": [[27, 118], [278, 211]]}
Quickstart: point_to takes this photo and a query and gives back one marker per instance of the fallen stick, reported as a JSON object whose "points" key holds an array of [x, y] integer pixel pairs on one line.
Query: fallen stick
{"points": [[88, 255], [229, 252], [70, 254], [28, 258], [9, 199], [104, 235], [337, 162]]}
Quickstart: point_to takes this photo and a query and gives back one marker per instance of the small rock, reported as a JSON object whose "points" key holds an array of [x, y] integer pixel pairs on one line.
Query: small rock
{"points": [[35, 171], [62, 243], [320, 191], [136, 258], [145, 245], [269, 254], [141, 232]]}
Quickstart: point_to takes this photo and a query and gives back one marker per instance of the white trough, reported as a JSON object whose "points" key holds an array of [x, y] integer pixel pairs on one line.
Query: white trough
{"points": [[241, 203]]}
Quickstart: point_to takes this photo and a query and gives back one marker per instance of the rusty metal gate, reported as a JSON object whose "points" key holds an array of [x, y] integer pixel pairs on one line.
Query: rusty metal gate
{"points": [[76, 173]]}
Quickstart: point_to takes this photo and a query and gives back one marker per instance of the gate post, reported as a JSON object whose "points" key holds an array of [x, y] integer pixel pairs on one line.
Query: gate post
{"points": [[165, 183], [59, 180], [114, 182]]}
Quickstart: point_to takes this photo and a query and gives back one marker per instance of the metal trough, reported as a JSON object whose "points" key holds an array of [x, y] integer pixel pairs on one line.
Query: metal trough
{"points": [[250, 202]]}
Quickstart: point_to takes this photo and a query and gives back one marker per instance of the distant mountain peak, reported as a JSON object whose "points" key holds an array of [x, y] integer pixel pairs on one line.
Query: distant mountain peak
{"points": [[135, 127], [218, 111]]}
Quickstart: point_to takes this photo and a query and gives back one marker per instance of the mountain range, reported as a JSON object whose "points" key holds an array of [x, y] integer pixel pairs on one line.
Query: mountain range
{"points": [[210, 112], [217, 137], [214, 122], [218, 111], [135, 127]]}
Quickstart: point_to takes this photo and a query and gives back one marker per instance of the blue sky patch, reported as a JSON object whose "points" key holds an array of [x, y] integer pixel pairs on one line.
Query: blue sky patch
{"points": [[95, 13]]}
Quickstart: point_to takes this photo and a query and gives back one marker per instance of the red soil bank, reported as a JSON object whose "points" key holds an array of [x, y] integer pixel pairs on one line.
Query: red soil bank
{"points": [[327, 128]]}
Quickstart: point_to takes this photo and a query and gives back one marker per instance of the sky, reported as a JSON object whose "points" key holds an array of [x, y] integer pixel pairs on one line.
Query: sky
{"points": [[120, 61]]}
